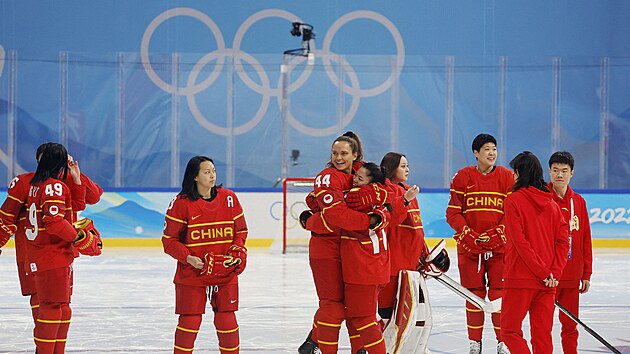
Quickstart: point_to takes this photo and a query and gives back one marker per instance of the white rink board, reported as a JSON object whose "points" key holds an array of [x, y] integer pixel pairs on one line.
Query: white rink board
{"points": [[123, 303]]}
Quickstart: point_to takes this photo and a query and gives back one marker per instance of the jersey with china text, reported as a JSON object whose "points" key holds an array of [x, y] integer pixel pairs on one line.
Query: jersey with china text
{"points": [[477, 200], [197, 227], [406, 238]]}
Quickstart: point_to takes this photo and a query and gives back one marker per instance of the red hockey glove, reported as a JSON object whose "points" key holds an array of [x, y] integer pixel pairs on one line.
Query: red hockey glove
{"points": [[368, 195], [239, 254], [304, 217], [6, 231], [466, 238], [493, 238], [379, 218], [217, 265], [89, 239], [311, 202]]}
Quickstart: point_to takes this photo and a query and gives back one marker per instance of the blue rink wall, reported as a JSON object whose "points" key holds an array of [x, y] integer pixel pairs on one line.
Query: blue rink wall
{"points": [[136, 218]]}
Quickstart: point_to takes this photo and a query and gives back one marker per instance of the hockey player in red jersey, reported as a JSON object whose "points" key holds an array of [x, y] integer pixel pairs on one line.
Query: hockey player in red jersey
{"points": [[576, 276], [405, 233], [324, 248], [475, 212], [365, 259], [51, 241], [82, 190], [536, 253], [205, 231]]}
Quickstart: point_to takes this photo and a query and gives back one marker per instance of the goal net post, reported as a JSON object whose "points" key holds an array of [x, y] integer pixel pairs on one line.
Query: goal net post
{"points": [[294, 191]]}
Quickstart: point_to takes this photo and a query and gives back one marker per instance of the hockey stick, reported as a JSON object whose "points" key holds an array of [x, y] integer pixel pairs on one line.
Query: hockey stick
{"points": [[587, 328], [486, 306]]}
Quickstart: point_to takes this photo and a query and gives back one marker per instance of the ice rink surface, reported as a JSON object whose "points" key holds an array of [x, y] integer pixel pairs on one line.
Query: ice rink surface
{"points": [[123, 303]]}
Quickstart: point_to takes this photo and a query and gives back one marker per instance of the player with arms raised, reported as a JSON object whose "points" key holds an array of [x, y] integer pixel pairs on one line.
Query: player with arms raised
{"points": [[475, 212], [205, 231]]}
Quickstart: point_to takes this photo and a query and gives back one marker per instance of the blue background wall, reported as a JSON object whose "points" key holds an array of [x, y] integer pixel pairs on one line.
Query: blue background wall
{"points": [[420, 77]]}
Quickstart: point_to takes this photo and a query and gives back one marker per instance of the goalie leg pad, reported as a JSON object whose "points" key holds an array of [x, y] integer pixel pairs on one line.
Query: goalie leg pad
{"points": [[412, 316]]}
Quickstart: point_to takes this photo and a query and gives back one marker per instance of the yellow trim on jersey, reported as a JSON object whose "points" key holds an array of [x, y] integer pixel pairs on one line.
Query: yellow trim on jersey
{"points": [[366, 326], [325, 224], [326, 343], [238, 216], [7, 214], [184, 349], [355, 336], [483, 209], [411, 210], [174, 219], [494, 193], [373, 343], [229, 349], [35, 306], [53, 321], [211, 223], [207, 243], [54, 201], [14, 198], [473, 310], [454, 206], [227, 331], [45, 340], [329, 324], [458, 192], [187, 329], [475, 327], [497, 328], [166, 236], [242, 231], [320, 192]]}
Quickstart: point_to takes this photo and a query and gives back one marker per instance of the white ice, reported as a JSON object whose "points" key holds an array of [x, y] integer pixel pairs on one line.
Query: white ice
{"points": [[123, 303]]}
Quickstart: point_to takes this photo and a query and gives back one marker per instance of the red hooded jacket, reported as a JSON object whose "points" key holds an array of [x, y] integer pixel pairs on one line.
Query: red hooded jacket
{"points": [[537, 239]]}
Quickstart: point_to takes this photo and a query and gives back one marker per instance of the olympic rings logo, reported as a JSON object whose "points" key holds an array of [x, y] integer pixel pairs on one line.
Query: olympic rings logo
{"points": [[264, 88]]}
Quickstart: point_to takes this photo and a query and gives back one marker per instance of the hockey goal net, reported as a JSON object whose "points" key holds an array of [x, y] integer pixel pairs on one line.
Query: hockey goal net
{"points": [[294, 191]]}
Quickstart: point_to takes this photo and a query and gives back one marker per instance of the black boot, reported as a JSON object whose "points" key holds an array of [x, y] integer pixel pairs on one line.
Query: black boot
{"points": [[362, 351], [309, 346]]}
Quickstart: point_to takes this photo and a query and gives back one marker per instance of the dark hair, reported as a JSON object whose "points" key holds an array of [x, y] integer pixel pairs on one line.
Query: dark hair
{"points": [[355, 144], [390, 163], [189, 185], [562, 157], [482, 139], [529, 170], [376, 172], [41, 148], [53, 163]]}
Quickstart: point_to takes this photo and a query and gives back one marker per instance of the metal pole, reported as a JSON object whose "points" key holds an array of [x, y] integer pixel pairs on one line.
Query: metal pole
{"points": [[450, 79], [175, 121], [284, 72], [63, 98]]}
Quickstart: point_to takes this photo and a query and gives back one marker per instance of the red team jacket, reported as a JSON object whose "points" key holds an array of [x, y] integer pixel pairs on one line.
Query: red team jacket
{"points": [[49, 232], [199, 227], [580, 260], [405, 233], [537, 239], [477, 200]]}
